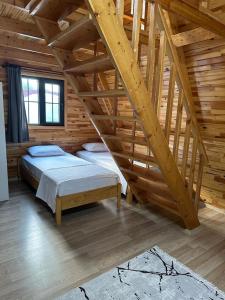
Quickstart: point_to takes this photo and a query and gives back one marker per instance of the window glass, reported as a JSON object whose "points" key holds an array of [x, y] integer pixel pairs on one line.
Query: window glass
{"points": [[52, 103], [44, 102], [31, 99]]}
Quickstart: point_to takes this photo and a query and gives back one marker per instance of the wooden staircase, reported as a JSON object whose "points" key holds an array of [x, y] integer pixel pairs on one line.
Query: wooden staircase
{"points": [[147, 149]]}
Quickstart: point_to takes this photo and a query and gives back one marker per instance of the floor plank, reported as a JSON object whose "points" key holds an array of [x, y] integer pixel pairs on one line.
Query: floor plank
{"points": [[39, 260]]}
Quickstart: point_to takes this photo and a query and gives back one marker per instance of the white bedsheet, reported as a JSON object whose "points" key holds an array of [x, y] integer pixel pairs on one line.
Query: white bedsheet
{"points": [[105, 160], [65, 175], [38, 165]]}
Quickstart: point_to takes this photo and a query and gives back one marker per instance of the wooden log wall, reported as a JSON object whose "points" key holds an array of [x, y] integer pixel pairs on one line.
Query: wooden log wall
{"points": [[206, 67], [208, 87], [77, 130]]}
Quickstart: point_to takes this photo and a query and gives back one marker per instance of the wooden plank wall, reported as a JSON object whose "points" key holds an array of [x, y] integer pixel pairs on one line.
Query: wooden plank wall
{"points": [[77, 130], [206, 66], [208, 85]]}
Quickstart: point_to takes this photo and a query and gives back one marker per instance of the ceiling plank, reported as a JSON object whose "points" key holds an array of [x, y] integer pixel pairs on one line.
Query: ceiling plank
{"points": [[193, 15]]}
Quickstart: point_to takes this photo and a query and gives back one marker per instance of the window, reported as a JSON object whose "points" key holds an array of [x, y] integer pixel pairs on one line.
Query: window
{"points": [[44, 101]]}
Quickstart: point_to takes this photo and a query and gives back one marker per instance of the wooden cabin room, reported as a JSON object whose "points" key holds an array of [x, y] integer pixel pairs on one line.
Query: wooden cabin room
{"points": [[112, 160]]}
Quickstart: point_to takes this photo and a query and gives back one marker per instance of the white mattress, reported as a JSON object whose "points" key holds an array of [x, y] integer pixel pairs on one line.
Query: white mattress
{"points": [[38, 165], [65, 175], [105, 160]]}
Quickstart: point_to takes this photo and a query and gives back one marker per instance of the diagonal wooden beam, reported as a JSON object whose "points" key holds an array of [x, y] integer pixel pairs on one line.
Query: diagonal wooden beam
{"points": [[193, 15], [111, 31]]}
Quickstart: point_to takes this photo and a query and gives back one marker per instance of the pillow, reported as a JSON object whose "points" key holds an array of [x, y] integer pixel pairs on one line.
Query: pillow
{"points": [[95, 147], [48, 150]]}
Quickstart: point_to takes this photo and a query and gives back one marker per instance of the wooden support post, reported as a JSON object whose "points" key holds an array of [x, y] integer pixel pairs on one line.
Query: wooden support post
{"points": [[58, 212], [169, 108], [178, 126], [192, 166], [118, 195], [150, 69], [138, 5], [160, 72], [120, 9], [186, 148], [129, 197], [199, 181]]}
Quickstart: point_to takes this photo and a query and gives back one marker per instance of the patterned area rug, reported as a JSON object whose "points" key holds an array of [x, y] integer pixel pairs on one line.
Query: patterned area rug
{"points": [[151, 275]]}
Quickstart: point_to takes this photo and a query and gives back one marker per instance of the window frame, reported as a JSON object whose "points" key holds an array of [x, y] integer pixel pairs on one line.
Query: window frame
{"points": [[42, 100]]}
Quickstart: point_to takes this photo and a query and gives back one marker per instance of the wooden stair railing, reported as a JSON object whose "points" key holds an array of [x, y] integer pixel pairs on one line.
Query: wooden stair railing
{"points": [[144, 153]]}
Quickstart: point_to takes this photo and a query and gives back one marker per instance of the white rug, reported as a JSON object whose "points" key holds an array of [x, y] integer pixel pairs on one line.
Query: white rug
{"points": [[151, 275]]}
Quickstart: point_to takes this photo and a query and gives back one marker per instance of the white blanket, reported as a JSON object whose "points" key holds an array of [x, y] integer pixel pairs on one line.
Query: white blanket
{"points": [[66, 175], [105, 160]]}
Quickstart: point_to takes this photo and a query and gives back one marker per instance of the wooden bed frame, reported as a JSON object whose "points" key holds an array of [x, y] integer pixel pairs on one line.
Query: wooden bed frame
{"points": [[74, 200]]}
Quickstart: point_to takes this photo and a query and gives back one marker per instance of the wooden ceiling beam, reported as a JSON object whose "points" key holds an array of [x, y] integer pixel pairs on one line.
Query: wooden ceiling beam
{"points": [[10, 41], [194, 15], [20, 27], [21, 55], [192, 36], [16, 3], [215, 4]]}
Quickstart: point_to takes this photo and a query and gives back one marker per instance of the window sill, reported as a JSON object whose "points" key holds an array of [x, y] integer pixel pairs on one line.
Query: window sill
{"points": [[39, 127]]}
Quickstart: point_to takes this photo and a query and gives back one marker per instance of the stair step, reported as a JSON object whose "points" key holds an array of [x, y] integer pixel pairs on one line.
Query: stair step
{"points": [[158, 188], [103, 94], [95, 64], [126, 139], [78, 35], [145, 192], [148, 173], [53, 9], [136, 156], [115, 118]]}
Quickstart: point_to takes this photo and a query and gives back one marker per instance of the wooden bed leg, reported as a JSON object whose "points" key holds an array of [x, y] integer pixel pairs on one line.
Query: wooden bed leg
{"points": [[129, 197], [118, 195], [58, 213]]}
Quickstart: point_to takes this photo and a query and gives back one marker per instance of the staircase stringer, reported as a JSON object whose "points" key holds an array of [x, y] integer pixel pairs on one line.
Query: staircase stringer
{"points": [[112, 33]]}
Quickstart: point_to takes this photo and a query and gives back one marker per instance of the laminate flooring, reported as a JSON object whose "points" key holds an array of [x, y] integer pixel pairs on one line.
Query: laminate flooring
{"points": [[39, 260]]}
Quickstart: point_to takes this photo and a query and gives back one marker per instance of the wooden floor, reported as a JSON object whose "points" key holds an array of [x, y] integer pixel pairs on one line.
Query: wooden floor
{"points": [[39, 260]]}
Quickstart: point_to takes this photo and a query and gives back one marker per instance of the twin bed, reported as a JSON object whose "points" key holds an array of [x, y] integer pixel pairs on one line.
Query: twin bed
{"points": [[64, 181]]}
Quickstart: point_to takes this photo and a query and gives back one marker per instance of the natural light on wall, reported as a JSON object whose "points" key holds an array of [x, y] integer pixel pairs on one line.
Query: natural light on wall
{"points": [[143, 10]]}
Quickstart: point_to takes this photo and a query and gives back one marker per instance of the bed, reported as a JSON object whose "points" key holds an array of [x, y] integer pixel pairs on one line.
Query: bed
{"points": [[104, 159], [67, 181]]}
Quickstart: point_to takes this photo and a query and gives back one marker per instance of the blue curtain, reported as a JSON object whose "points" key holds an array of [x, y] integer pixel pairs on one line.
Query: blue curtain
{"points": [[17, 127]]}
